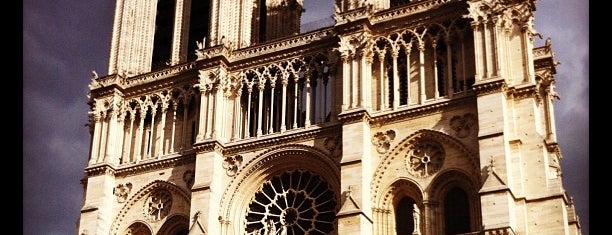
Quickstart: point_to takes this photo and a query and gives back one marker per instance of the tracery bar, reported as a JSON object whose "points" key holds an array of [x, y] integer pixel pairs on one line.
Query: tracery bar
{"points": [[435, 69], [96, 139], [394, 56], [381, 81], [407, 51], [150, 153], [271, 119], [284, 104], [295, 101], [307, 77], [102, 151], [162, 131], [139, 135], [237, 113], [261, 86], [128, 145], [184, 126], [422, 73], [449, 69], [173, 135]]}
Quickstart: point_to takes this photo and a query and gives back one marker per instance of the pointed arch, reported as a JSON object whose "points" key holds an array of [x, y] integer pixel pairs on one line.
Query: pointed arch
{"points": [[454, 199], [398, 153], [284, 159], [137, 202]]}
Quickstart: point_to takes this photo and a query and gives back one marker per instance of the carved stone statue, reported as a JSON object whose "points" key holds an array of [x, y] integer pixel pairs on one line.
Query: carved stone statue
{"points": [[416, 217]]}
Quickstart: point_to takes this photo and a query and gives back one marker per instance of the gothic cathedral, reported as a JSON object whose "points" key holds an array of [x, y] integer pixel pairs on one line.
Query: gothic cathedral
{"points": [[407, 117]]}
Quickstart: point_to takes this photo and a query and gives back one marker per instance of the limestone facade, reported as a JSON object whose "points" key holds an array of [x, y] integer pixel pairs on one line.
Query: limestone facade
{"points": [[403, 117]]}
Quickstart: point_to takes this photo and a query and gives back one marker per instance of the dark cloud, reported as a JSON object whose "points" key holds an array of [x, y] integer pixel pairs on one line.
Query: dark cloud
{"points": [[64, 40]]}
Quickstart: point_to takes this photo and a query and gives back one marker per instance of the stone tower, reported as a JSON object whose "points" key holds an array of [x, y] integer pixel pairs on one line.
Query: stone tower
{"points": [[403, 117]]}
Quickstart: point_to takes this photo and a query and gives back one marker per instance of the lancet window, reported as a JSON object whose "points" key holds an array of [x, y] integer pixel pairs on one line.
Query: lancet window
{"points": [[164, 25], [158, 125], [414, 66], [287, 95]]}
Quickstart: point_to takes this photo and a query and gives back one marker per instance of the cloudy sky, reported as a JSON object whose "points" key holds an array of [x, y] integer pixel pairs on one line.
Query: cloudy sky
{"points": [[64, 40]]}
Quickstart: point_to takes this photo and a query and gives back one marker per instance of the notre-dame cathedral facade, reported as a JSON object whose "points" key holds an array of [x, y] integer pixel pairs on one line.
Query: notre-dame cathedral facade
{"points": [[408, 117]]}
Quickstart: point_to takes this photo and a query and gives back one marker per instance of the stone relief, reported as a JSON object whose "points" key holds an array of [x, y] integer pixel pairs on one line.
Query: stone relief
{"points": [[462, 125], [382, 140], [425, 158], [122, 191], [332, 145], [158, 204], [188, 178], [231, 164]]}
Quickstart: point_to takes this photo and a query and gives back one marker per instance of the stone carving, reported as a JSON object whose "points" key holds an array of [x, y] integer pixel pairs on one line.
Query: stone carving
{"points": [[122, 191], [462, 125], [188, 178], [298, 207], [425, 158], [158, 204], [332, 145], [231, 164], [416, 215], [382, 140]]}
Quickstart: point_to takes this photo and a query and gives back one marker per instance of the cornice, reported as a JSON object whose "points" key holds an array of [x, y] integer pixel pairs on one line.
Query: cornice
{"points": [[283, 44], [104, 169], [287, 137], [156, 165], [139, 168], [489, 86], [160, 74], [354, 116], [208, 146], [521, 92], [419, 111], [410, 9]]}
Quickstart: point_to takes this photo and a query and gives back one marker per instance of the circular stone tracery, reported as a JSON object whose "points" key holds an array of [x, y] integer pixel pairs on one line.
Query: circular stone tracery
{"points": [[425, 158], [294, 202], [158, 204]]}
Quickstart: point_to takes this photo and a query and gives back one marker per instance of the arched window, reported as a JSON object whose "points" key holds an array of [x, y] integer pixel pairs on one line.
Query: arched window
{"points": [[404, 220], [456, 211], [164, 25], [138, 228]]}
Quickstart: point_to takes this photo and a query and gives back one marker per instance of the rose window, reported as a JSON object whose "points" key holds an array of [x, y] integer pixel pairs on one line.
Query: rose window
{"points": [[425, 158], [294, 202], [158, 204]]}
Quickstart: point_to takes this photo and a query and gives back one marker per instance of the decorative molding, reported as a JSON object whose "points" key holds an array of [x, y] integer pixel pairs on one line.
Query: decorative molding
{"points": [[489, 86], [142, 167], [404, 146], [231, 164], [143, 193], [260, 164], [462, 125], [287, 43], [523, 92], [122, 191], [408, 10], [424, 158], [333, 144], [437, 106], [382, 140], [354, 116], [189, 178], [104, 169], [209, 146], [158, 205], [290, 136]]}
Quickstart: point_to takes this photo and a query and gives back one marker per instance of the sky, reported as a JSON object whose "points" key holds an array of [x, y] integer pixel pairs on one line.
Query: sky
{"points": [[64, 40]]}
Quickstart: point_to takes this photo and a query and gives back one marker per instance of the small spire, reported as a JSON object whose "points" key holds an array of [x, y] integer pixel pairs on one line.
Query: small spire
{"points": [[491, 165]]}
